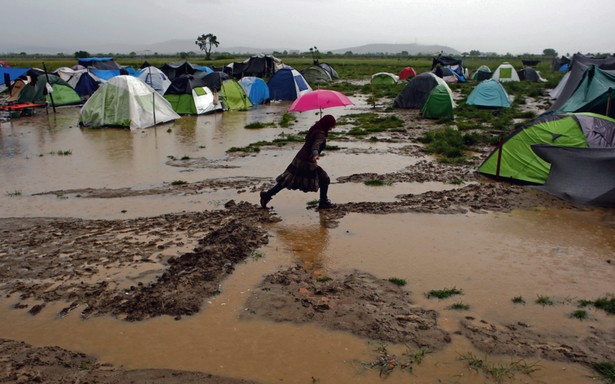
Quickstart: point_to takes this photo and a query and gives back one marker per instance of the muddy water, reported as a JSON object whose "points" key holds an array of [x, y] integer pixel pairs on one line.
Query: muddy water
{"points": [[492, 258]]}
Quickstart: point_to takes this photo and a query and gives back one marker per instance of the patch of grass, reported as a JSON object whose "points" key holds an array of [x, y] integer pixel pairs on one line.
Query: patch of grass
{"points": [[257, 255], [323, 279], [375, 183], [178, 182], [312, 203], [579, 314], [457, 182], [499, 372], [386, 363], [250, 148], [398, 281], [544, 300], [185, 157], [606, 303], [447, 142], [444, 293], [607, 370], [459, 307], [14, 193], [171, 157], [287, 120], [258, 125], [518, 300], [62, 153]]}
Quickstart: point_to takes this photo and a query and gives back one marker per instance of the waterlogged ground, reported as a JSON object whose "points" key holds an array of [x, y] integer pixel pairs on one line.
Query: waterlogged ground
{"points": [[144, 257]]}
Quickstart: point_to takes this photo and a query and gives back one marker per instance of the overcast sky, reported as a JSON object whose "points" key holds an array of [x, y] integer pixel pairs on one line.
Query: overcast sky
{"points": [[515, 26]]}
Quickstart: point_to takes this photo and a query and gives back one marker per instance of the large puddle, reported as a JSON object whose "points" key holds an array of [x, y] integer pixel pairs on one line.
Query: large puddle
{"points": [[491, 257]]}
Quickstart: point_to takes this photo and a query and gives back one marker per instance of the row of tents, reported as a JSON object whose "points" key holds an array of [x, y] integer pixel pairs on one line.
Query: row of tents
{"points": [[569, 151]]}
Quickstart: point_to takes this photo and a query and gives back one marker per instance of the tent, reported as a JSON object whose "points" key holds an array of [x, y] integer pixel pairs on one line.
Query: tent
{"points": [[407, 73], [261, 66], [98, 63], [517, 160], [417, 90], [330, 70], [213, 80], [287, 84], [505, 72], [482, 73], [173, 70], [581, 175], [571, 80], [316, 74], [256, 89], [439, 104], [595, 93], [384, 78], [530, 74], [35, 87], [125, 101], [455, 65], [489, 94], [155, 78], [87, 84], [61, 92], [233, 96], [188, 95]]}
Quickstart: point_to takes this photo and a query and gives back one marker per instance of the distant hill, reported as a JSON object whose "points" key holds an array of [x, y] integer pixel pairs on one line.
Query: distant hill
{"points": [[412, 49], [187, 45]]}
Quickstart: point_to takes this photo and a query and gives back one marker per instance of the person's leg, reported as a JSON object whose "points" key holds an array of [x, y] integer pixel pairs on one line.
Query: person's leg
{"points": [[267, 195], [324, 181]]}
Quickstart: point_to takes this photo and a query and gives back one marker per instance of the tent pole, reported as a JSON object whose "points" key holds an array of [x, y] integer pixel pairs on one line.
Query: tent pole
{"points": [[53, 105], [608, 102], [497, 169]]}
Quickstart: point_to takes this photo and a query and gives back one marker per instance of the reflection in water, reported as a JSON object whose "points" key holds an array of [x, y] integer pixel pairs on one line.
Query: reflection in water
{"points": [[307, 244]]}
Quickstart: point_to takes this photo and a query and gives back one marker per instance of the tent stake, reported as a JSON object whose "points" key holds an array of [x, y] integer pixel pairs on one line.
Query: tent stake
{"points": [[53, 105]]}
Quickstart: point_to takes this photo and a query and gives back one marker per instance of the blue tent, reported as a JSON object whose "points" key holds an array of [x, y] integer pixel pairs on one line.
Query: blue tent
{"points": [[287, 84], [86, 85], [13, 73], [255, 88], [489, 93], [106, 74]]}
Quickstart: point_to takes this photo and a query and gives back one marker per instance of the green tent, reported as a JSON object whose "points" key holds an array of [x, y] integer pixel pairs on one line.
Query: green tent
{"points": [[384, 78], [233, 96], [62, 92], [518, 162], [439, 104]]}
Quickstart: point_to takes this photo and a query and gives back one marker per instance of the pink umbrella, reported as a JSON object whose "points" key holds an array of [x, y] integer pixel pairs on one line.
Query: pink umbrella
{"points": [[319, 99]]}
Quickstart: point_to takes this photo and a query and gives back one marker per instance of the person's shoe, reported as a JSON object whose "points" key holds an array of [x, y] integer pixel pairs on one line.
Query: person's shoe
{"points": [[264, 199], [326, 204]]}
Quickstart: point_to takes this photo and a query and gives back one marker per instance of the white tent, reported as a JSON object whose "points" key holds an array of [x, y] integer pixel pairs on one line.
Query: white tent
{"points": [[125, 101], [155, 78], [505, 72]]}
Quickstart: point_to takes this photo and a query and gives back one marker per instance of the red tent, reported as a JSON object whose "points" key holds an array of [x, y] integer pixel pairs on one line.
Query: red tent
{"points": [[4, 64], [407, 73]]}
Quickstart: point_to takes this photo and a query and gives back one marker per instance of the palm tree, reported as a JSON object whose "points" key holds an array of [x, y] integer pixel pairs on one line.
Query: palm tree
{"points": [[206, 43]]}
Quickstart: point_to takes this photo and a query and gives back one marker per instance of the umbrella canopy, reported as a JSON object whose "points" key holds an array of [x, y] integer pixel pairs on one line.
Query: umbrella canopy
{"points": [[319, 99]]}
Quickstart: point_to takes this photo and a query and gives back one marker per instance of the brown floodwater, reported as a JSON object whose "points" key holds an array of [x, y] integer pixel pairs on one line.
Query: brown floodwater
{"points": [[491, 257]]}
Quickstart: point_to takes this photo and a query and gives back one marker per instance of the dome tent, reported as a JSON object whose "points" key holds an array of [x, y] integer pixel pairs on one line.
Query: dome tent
{"points": [[489, 94], [505, 72], [417, 90], [189, 95], [125, 101], [439, 104]]}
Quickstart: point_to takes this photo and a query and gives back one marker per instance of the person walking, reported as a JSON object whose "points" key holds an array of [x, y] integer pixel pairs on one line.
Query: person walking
{"points": [[304, 173]]}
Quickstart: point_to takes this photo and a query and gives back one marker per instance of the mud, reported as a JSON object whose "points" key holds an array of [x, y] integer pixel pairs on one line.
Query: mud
{"points": [[168, 265]]}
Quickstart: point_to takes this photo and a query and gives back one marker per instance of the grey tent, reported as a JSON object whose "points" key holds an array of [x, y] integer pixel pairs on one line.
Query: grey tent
{"points": [[417, 90], [581, 175], [530, 74], [578, 65], [316, 75]]}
